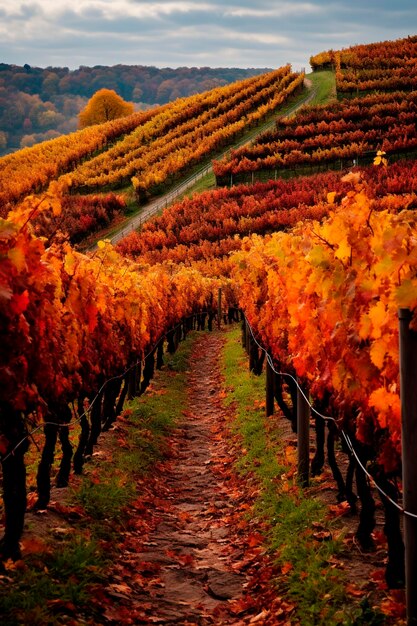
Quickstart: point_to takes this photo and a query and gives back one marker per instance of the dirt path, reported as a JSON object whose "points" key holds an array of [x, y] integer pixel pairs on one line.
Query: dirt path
{"points": [[190, 566], [191, 551]]}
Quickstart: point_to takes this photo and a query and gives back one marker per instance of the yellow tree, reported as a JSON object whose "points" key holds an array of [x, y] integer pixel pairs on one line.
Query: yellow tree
{"points": [[103, 106]]}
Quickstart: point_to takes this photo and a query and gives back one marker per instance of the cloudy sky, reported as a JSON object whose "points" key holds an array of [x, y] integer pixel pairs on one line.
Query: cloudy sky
{"points": [[172, 33]]}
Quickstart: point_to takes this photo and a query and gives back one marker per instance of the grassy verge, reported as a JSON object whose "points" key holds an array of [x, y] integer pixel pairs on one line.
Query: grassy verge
{"points": [[324, 83], [205, 183], [67, 552], [301, 540]]}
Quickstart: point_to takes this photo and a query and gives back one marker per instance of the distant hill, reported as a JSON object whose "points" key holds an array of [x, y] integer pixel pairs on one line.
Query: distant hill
{"points": [[42, 103]]}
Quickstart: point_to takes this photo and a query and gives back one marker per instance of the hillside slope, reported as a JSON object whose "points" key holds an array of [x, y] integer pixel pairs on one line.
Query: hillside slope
{"points": [[316, 269], [37, 104], [150, 150]]}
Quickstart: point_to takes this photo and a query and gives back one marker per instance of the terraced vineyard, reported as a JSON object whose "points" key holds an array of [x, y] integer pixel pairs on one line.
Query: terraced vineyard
{"points": [[316, 267]]}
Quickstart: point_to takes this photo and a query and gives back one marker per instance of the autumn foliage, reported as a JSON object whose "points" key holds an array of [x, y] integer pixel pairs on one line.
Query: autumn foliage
{"points": [[212, 224], [185, 132], [105, 105], [81, 216], [68, 320], [147, 148], [382, 66], [318, 264], [339, 133], [324, 300], [31, 170]]}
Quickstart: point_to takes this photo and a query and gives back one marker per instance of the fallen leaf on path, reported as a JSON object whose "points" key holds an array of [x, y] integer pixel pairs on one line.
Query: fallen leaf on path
{"points": [[242, 605], [75, 512], [322, 535], [378, 576], [121, 588], [183, 559], [353, 590], [148, 567], [239, 566], [31, 500], [254, 540], [290, 454], [10, 565], [379, 537], [393, 608], [260, 617], [184, 516], [61, 605], [338, 510], [33, 545]]}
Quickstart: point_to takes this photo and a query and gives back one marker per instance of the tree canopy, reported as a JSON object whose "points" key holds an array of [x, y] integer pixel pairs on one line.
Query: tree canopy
{"points": [[103, 106]]}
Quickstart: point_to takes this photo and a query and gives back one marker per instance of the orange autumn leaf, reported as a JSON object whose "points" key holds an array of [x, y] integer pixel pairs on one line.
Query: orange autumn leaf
{"points": [[34, 545], [387, 406], [354, 590], [286, 567], [19, 302], [254, 540], [393, 608], [121, 588], [291, 454], [17, 256], [331, 195]]}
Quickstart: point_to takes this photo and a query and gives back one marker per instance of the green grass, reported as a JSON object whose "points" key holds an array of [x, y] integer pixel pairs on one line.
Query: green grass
{"points": [[316, 588], [46, 588], [205, 183], [325, 84], [52, 585], [105, 499]]}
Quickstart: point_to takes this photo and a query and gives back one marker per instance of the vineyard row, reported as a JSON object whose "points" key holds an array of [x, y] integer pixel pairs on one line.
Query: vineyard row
{"points": [[195, 132], [382, 66], [212, 224], [339, 132]]}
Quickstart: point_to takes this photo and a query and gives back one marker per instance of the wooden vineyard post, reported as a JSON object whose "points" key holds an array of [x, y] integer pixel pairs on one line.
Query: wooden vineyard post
{"points": [[303, 437], [253, 354], [248, 338], [244, 330], [270, 379], [408, 393], [270, 388], [219, 308]]}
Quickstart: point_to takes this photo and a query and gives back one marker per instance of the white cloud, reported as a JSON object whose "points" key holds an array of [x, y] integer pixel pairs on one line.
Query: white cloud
{"points": [[280, 9], [265, 33], [109, 9], [224, 35]]}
